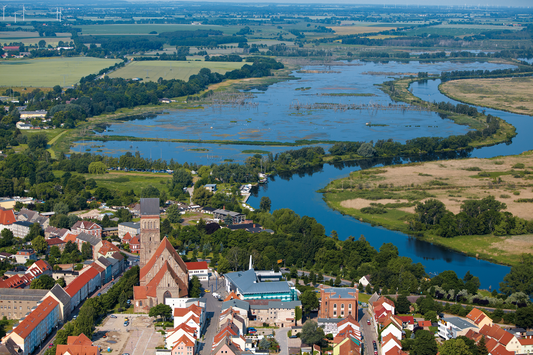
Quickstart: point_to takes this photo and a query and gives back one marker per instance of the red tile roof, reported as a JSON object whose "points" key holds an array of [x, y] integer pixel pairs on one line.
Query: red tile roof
{"points": [[198, 265], [349, 347], [35, 317], [80, 281], [69, 237], [497, 333], [185, 341], [97, 267], [79, 340], [165, 244], [135, 241], [476, 315], [14, 281], [526, 341], [424, 323], [43, 265], [126, 237], [407, 319], [54, 241], [108, 247], [86, 225], [7, 217]]}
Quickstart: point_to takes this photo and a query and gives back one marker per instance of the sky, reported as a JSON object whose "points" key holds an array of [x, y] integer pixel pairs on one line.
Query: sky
{"points": [[482, 3], [462, 3]]}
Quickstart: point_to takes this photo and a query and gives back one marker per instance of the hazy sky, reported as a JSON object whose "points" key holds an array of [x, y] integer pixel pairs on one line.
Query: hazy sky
{"points": [[500, 3]]}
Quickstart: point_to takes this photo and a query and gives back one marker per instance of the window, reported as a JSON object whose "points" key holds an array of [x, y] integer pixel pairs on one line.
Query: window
{"points": [[342, 306], [334, 305], [350, 306]]}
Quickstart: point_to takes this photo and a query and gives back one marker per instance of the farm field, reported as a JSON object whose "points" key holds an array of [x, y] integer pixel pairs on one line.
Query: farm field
{"points": [[50, 72], [32, 37], [458, 30], [145, 29], [153, 70], [352, 30], [511, 94]]}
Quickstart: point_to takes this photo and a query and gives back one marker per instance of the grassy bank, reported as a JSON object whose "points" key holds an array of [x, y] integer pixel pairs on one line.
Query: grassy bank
{"points": [[507, 94], [387, 196]]}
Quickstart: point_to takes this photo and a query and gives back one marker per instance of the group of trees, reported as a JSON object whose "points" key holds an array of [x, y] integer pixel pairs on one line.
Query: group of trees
{"points": [[476, 217]]}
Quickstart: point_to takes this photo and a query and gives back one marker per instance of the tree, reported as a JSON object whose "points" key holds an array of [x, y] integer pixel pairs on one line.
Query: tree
{"points": [[97, 167], [309, 301], [86, 251], [195, 287], [482, 347], [524, 317], [312, 333], [44, 282], [338, 281], [61, 282], [265, 204], [7, 238], [37, 141], [430, 212], [520, 279], [425, 343], [297, 314], [223, 265], [39, 244], [201, 196], [402, 304], [161, 310], [366, 150], [85, 321], [123, 300], [454, 347], [173, 214]]}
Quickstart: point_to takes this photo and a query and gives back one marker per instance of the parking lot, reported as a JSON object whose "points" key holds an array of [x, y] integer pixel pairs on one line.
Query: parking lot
{"points": [[138, 338]]}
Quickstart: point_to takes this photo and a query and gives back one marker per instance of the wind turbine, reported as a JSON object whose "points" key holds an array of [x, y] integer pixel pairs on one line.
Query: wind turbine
{"points": [[23, 10], [4, 12]]}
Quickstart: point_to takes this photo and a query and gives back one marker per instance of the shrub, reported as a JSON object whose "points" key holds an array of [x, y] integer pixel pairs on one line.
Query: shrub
{"points": [[519, 166]]}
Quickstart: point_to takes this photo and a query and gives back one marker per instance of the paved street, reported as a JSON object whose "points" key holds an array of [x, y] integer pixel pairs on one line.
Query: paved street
{"points": [[213, 307], [368, 331], [281, 338]]}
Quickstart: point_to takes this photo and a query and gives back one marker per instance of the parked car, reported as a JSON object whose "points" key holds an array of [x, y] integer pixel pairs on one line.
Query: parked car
{"points": [[368, 321], [112, 316], [252, 330]]}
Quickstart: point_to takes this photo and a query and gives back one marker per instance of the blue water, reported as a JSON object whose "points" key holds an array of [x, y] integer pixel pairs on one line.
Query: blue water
{"points": [[274, 120]]}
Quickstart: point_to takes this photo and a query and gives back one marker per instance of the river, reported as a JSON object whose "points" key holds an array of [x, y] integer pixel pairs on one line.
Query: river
{"points": [[274, 120]]}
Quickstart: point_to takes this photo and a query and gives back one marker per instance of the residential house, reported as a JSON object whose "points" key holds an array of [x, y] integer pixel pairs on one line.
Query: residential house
{"points": [[132, 228], [330, 325], [508, 340], [16, 302], [26, 215], [349, 323], [390, 342], [24, 255], [211, 187], [174, 335], [275, 313], [226, 347], [56, 242], [62, 297], [105, 264], [234, 318], [224, 215], [526, 346], [87, 238], [496, 348], [37, 325], [105, 248], [184, 346], [198, 269], [21, 229], [51, 232], [82, 286], [193, 316], [338, 302], [78, 345], [347, 346], [479, 318], [7, 218], [408, 322], [229, 331], [242, 307], [392, 326], [87, 227], [4, 255], [39, 267], [135, 245], [365, 280], [452, 327]]}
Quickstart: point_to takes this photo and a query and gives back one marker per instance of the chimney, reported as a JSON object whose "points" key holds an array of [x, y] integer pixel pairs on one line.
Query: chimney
{"points": [[224, 207], [254, 225]]}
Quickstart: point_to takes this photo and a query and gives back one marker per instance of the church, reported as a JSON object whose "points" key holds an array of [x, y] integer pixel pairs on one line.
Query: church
{"points": [[163, 273]]}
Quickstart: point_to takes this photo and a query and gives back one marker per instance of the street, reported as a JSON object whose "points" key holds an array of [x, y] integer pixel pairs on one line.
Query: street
{"points": [[368, 331], [283, 341], [213, 307]]}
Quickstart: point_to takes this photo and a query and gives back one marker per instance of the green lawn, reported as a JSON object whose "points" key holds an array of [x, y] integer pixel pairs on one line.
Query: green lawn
{"points": [[153, 70], [145, 29], [124, 181], [363, 297], [50, 72]]}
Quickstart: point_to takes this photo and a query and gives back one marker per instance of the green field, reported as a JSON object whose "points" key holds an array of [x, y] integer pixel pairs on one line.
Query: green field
{"points": [[32, 37], [153, 70], [147, 28], [50, 72], [458, 30]]}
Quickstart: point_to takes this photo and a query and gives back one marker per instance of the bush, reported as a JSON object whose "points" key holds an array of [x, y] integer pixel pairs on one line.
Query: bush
{"points": [[373, 210], [519, 166]]}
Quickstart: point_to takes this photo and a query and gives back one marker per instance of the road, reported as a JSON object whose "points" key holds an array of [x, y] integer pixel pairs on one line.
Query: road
{"points": [[368, 331], [213, 307], [326, 278], [283, 340]]}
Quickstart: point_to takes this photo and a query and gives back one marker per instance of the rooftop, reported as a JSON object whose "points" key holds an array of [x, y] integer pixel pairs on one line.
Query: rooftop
{"points": [[458, 322], [33, 319], [149, 207]]}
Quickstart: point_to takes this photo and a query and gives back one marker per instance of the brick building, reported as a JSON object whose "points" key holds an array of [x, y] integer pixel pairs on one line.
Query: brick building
{"points": [[338, 302]]}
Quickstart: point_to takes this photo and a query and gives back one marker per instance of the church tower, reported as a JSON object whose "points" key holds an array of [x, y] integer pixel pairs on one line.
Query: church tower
{"points": [[150, 234]]}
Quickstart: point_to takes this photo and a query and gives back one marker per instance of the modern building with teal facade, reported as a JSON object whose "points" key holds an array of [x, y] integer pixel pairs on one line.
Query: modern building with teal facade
{"points": [[247, 285]]}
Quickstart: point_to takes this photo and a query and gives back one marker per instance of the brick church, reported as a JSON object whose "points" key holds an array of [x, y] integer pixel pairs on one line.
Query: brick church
{"points": [[163, 272]]}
